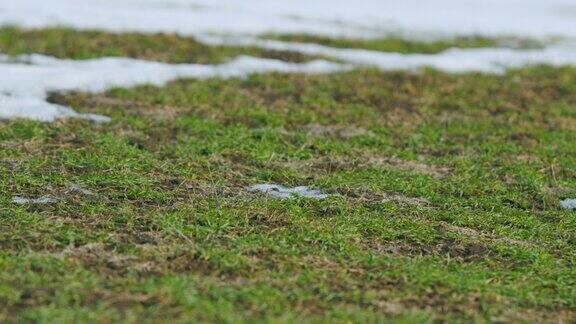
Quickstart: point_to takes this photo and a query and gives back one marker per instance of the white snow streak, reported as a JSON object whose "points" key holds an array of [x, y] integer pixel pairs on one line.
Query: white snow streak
{"points": [[281, 192], [456, 60], [44, 200], [29, 79]]}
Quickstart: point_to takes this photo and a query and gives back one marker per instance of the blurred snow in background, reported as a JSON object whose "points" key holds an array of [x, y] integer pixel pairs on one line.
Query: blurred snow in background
{"points": [[25, 86], [352, 18]]}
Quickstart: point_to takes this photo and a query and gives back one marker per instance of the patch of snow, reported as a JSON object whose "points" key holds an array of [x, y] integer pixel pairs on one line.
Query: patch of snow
{"points": [[44, 200], [568, 204], [353, 18], [29, 79], [15, 107], [456, 60], [281, 192]]}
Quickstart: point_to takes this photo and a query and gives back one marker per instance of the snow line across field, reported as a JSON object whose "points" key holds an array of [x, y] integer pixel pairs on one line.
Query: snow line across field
{"points": [[31, 78], [28, 80]]}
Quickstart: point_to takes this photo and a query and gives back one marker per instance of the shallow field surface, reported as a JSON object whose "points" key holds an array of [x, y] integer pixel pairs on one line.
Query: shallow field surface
{"points": [[443, 192]]}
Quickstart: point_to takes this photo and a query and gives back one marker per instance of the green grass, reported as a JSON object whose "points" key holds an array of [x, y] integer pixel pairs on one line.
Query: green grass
{"points": [[401, 45], [446, 207]]}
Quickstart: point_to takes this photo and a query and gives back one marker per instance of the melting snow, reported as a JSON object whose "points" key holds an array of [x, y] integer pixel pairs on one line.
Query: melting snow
{"points": [[39, 201], [29, 79], [12, 107], [26, 81], [281, 192], [568, 204], [486, 60]]}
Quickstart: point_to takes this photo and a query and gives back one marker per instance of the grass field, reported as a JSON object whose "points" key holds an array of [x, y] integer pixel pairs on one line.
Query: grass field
{"points": [[445, 205]]}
